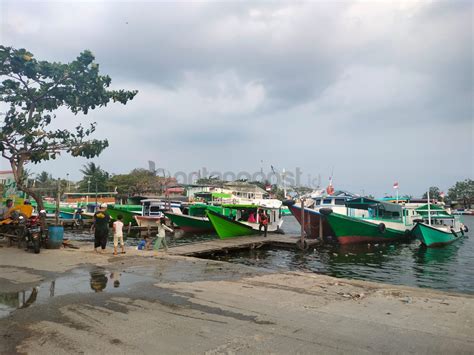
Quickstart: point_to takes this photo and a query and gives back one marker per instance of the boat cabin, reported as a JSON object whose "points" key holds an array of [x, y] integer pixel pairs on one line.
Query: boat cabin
{"points": [[155, 208], [249, 213], [436, 216], [375, 209]]}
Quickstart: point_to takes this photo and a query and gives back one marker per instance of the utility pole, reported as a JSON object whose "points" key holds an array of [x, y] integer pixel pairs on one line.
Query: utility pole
{"points": [[88, 190]]}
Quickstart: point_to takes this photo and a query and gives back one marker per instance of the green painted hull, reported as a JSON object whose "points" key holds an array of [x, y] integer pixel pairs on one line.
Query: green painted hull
{"points": [[285, 211], [432, 237], [128, 216], [191, 224], [349, 230], [227, 228]]}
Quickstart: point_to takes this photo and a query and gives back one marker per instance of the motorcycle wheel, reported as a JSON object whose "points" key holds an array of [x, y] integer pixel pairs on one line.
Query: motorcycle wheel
{"points": [[36, 245], [19, 232]]}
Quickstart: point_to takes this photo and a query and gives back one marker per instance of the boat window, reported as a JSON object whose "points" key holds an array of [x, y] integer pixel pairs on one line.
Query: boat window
{"points": [[327, 201], [154, 210], [340, 201], [318, 201]]}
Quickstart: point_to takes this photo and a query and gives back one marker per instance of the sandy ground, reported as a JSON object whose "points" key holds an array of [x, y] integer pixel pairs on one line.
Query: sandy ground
{"points": [[171, 304]]}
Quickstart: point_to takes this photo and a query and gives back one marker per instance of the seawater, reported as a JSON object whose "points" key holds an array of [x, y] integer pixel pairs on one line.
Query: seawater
{"points": [[450, 268]]}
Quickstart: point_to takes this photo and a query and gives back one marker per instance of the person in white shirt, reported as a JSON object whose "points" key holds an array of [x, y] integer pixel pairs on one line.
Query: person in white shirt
{"points": [[161, 240], [118, 234]]}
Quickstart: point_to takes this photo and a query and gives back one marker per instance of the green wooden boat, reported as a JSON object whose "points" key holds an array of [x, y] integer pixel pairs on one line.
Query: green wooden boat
{"points": [[432, 236], [227, 228], [128, 213], [437, 227], [190, 224], [196, 221], [239, 223], [369, 220], [350, 230]]}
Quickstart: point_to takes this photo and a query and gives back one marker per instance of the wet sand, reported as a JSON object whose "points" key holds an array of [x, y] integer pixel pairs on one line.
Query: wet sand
{"points": [[172, 304]]}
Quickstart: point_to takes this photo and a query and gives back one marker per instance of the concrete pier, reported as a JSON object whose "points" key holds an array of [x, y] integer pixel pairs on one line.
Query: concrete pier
{"points": [[156, 302]]}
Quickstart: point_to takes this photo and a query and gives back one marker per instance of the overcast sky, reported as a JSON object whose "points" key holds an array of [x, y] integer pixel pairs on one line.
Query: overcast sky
{"points": [[377, 92]]}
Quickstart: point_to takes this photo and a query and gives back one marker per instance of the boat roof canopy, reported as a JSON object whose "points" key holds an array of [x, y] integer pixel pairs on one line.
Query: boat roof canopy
{"points": [[248, 206], [221, 195], [436, 211], [364, 203]]}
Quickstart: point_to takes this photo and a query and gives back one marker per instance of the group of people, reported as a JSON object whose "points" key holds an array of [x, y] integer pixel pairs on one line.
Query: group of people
{"points": [[101, 232], [262, 220], [10, 211]]}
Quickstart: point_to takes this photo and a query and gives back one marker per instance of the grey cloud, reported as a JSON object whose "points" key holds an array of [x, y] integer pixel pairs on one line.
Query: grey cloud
{"points": [[300, 83]]}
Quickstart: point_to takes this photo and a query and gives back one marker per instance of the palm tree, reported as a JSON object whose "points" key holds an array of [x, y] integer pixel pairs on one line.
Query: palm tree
{"points": [[94, 178], [44, 178]]}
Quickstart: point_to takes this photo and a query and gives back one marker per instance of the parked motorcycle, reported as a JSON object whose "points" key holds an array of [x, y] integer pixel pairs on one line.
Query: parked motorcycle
{"points": [[32, 233]]}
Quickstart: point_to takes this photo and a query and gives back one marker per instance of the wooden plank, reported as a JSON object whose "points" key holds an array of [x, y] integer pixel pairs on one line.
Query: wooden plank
{"points": [[232, 243]]}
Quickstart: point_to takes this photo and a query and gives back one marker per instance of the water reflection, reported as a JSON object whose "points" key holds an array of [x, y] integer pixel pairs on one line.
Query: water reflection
{"points": [[425, 255], [448, 268], [98, 280], [10, 301]]}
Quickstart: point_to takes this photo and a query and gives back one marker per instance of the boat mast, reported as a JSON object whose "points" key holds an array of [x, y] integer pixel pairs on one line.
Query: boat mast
{"points": [[429, 212]]}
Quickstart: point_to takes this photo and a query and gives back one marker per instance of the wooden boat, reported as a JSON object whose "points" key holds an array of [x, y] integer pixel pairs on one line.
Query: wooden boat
{"points": [[237, 224], [196, 220], [380, 222], [315, 225], [153, 210], [190, 224], [437, 228], [128, 213]]}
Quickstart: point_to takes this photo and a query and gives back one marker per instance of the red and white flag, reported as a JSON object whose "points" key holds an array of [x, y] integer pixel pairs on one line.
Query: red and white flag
{"points": [[395, 185], [441, 194]]}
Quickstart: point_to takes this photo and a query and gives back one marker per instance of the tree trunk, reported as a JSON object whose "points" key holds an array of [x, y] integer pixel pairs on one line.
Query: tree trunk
{"points": [[17, 168]]}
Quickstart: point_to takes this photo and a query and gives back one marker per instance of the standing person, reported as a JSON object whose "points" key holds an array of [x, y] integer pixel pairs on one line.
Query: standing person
{"points": [[101, 227], [162, 228], [118, 234], [263, 222]]}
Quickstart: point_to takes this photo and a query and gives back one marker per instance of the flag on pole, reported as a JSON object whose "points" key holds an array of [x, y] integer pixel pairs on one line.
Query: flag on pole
{"points": [[395, 185]]}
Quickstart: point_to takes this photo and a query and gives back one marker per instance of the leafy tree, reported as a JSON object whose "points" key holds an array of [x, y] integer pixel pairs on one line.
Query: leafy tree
{"points": [[95, 179], [33, 90], [434, 193], [463, 192], [44, 178], [211, 180], [45, 183], [136, 182]]}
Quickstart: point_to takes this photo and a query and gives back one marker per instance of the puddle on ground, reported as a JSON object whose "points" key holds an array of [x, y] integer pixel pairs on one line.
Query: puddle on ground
{"points": [[78, 281]]}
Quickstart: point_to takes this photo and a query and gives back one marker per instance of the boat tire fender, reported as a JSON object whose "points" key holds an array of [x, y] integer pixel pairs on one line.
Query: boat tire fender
{"points": [[288, 203], [325, 211], [381, 227], [466, 229], [455, 234]]}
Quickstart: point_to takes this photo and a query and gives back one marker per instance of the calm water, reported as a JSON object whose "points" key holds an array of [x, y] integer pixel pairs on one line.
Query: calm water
{"points": [[450, 268]]}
